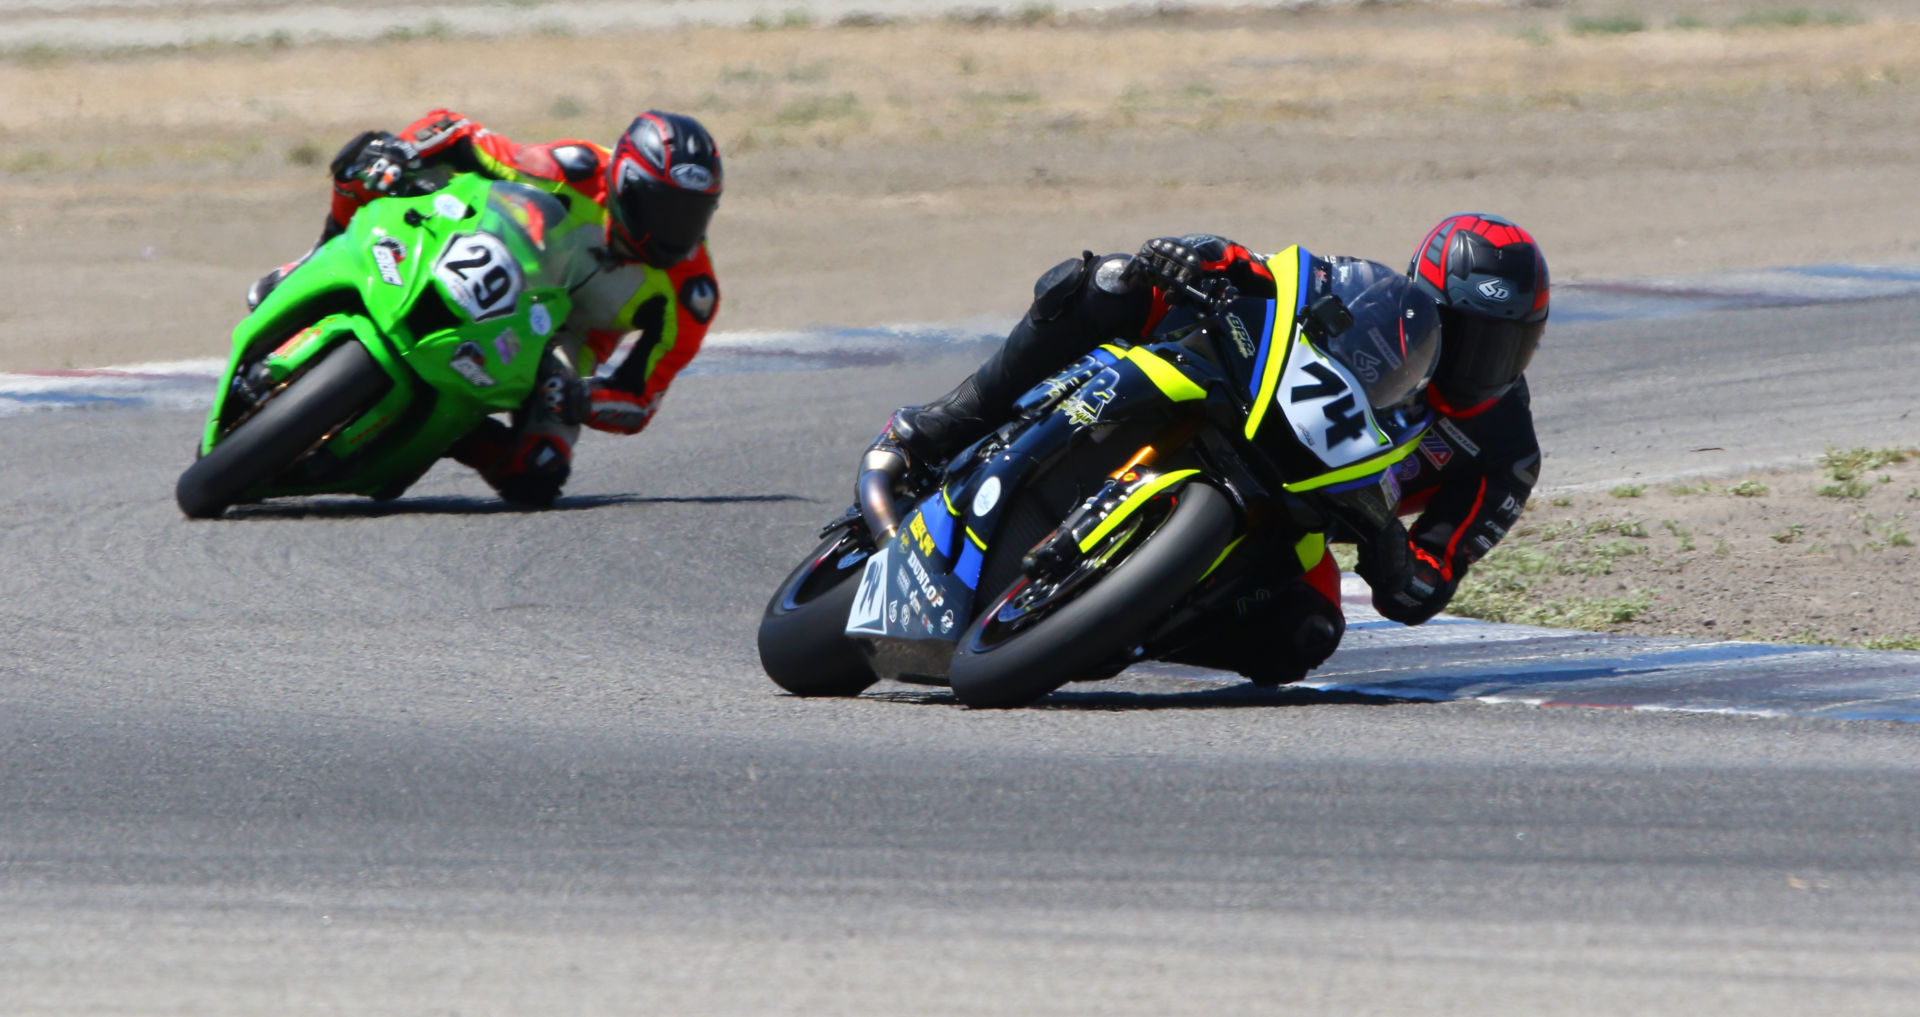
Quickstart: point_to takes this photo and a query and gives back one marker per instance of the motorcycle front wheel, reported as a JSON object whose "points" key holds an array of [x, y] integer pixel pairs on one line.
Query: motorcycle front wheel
{"points": [[344, 383], [1031, 640]]}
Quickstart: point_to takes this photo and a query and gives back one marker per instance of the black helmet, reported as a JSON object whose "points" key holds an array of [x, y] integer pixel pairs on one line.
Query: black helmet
{"points": [[662, 185], [1490, 281], [1394, 340]]}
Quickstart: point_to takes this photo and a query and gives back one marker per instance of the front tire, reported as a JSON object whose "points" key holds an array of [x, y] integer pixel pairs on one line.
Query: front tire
{"points": [[992, 668], [803, 640], [346, 381]]}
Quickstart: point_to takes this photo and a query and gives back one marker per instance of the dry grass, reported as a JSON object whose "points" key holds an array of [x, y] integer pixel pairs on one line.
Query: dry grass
{"points": [[922, 82], [1787, 560]]}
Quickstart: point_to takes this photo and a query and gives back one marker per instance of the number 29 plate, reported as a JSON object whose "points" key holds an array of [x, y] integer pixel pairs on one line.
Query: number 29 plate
{"points": [[480, 274]]}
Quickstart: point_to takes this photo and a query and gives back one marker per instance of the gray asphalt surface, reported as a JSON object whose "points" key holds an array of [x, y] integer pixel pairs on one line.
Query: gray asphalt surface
{"points": [[438, 757]]}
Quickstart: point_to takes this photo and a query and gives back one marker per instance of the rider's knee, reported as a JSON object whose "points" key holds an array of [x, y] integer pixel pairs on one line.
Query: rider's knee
{"points": [[1093, 292]]}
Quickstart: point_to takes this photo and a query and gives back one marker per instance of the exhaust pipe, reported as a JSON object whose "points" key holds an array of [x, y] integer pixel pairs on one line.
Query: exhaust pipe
{"points": [[880, 470]]}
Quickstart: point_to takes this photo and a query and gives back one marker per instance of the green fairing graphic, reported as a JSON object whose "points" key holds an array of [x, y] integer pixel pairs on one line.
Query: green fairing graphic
{"points": [[454, 296]]}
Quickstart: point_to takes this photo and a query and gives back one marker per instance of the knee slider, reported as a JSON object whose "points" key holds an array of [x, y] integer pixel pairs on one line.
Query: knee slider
{"points": [[1112, 304], [1056, 291], [1314, 640]]}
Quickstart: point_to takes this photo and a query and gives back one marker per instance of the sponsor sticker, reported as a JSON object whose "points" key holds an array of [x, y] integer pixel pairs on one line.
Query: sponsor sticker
{"points": [[870, 602], [469, 362], [987, 497], [1241, 340], [932, 592], [507, 345], [1436, 450], [388, 253], [1459, 439], [540, 320], [449, 206]]}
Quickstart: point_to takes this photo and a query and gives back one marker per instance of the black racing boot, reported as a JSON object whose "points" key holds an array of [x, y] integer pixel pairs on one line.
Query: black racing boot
{"points": [[1077, 305], [930, 434]]}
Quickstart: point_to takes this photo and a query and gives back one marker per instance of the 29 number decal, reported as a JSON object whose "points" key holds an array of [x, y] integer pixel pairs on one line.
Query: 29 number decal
{"points": [[480, 274]]}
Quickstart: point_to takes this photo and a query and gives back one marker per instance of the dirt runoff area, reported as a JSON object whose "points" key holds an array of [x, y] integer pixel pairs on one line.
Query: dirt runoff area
{"points": [[884, 171], [1821, 555]]}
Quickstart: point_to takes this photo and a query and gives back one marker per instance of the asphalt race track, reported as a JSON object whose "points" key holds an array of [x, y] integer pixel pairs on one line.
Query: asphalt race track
{"points": [[440, 757]]}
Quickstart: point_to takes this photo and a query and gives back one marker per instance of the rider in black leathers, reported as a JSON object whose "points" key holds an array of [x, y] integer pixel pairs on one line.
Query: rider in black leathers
{"points": [[1468, 481]]}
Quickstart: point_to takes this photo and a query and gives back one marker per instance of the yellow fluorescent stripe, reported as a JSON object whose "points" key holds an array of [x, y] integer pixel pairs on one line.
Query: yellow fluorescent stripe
{"points": [[1134, 501], [1311, 549], [654, 283], [1359, 469], [1223, 556], [975, 537], [1118, 351], [950, 509], [1288, 294], [1166, 377]]}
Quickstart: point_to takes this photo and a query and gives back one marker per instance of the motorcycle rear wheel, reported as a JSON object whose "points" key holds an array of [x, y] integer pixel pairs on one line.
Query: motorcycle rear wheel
{"points": [[996, 667], [345, 382], [803, 640]]}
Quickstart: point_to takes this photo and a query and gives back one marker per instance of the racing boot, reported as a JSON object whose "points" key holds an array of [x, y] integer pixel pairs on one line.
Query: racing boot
{"points": [[1077, 304], [529, 463], [525, 469], [265, 284]]}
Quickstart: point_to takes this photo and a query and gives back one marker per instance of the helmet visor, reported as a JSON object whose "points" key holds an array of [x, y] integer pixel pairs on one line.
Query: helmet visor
{"points": [[666, 222], [1483, 357]]}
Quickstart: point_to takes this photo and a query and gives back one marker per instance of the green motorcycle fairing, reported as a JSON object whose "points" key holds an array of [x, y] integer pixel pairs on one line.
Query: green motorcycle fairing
{"points": [[456, 294]]}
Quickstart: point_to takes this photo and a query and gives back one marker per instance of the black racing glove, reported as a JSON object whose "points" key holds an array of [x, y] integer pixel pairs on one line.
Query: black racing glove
{"points": [[379, 161], [1167, 263], [1420, 594], [1406, 588]]}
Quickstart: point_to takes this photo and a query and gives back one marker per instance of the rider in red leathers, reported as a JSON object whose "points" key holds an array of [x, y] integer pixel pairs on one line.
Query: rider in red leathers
{"points": [[655, 192], [1468, 481]]}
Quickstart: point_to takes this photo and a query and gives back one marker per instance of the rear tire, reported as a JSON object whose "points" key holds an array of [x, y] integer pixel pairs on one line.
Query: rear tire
{"points": [[803, 640], [1097, 626], [346, 381]]}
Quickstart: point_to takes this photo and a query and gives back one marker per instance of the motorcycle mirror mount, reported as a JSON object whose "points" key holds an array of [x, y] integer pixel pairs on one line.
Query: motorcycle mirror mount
{"points": [[1328, 317]]}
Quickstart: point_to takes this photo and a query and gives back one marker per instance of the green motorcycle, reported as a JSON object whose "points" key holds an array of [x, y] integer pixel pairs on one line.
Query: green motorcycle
{"points": [[389, 343]]}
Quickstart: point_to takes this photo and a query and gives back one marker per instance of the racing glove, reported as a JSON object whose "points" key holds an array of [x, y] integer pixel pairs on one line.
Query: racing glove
{"points": [[1167, 263], [1407, 588], [618, 411], [1417, 594], [377, 161], [1179, 270]]}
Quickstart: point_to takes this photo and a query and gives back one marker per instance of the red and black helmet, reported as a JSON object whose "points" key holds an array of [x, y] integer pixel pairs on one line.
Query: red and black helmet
{"points": [[1490, 280], [662, 185]]}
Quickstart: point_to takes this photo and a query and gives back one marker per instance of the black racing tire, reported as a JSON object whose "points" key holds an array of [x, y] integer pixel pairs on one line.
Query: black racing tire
{"points": [[345, 382], [803, 641], [1093, 629]]}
